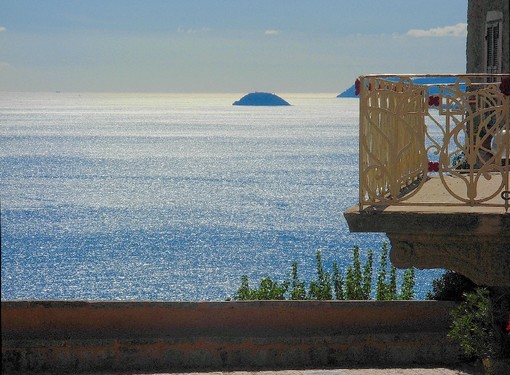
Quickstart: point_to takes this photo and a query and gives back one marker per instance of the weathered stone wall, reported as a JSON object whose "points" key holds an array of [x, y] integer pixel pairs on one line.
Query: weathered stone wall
{"points": [[58, 337]]}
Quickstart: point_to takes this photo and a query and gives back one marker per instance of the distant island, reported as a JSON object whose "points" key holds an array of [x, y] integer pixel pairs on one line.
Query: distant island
{"points": [[350, 92], [261, 99]]}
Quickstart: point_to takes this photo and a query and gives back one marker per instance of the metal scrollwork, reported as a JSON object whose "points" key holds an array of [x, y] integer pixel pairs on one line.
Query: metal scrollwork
{"points": [[408, 125]]}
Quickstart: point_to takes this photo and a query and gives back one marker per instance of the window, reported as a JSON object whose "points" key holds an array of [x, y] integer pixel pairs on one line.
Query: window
{"points": [[493, 42]]}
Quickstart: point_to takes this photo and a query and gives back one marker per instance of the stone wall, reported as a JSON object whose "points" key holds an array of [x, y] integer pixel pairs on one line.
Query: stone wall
{"points": [[58, 336]]}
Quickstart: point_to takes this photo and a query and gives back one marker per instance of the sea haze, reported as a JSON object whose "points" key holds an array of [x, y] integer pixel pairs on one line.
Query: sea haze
{"points": [[173, 197]]}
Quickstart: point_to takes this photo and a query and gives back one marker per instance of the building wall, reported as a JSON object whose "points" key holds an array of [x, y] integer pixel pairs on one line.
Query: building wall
{"points": [[475, 51], [72, 337]]}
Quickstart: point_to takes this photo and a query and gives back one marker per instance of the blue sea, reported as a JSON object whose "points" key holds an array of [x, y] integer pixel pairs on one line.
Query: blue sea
{"points": [[173, 197]]}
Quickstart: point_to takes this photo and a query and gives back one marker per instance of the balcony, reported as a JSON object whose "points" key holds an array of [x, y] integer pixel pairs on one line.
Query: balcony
{"points": [[434, 169]]}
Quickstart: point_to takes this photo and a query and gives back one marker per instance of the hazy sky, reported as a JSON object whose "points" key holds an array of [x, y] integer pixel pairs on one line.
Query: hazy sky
{"points": [[224, 45]]}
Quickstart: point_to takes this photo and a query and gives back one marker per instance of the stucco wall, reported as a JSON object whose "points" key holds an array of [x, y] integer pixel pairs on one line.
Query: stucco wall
{"points": [[136, 336], [475, 51]]}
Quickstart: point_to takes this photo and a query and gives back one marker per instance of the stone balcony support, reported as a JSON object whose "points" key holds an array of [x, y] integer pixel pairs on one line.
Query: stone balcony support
{"points": [[472, 242]]}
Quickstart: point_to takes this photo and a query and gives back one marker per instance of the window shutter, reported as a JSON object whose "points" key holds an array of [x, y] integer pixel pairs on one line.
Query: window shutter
{"points": [[493, 50]]}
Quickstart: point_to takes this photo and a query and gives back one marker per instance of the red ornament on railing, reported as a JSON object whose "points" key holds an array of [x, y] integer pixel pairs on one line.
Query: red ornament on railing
{"points": [[357, 85], [433, 166], [434, 101]]}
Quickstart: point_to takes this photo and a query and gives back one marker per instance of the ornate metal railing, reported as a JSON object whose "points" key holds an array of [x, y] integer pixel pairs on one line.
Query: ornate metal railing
{"points": [[453, 130]]}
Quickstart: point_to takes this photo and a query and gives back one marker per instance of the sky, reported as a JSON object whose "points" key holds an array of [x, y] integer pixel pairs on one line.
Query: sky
{"points": [[224, 45]]}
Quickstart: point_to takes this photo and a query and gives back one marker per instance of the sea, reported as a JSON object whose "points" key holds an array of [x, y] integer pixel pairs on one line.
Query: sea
{"points": [[174, 197]]}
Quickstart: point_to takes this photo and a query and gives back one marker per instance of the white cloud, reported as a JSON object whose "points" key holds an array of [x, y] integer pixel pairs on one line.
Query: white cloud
{"points": [[271, 32], [2, 29], [458, 30]]}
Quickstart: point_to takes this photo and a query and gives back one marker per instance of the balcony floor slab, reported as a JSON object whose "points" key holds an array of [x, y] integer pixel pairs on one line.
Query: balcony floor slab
{"points": [[432, 230]]}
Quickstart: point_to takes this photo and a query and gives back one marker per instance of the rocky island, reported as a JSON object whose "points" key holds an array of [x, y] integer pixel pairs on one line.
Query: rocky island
{"points": [[261, 99]]}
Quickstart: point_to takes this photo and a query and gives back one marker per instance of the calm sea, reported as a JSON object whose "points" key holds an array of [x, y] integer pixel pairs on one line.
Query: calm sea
{"points": [[173, 197]]}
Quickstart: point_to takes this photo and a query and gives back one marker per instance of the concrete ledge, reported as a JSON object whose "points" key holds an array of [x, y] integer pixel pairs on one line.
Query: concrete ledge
{"points": [[77, 336], [461, 220]]}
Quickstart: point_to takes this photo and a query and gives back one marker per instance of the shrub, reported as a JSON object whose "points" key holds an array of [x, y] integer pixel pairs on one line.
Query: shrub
{"points": [[472, 324], [267, 290], [338, 282], [298, 289], [321, 288], [407, 291], [356, 285], [386, 290], [481, 325], [451, 286]]}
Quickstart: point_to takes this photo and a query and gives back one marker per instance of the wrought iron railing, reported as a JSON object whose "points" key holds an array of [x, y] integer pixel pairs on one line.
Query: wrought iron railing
{"points": [[452, 130]]}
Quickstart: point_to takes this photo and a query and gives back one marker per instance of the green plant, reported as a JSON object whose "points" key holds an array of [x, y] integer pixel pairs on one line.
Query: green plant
{"points": [[298, 289], [267, 290], [244, 292], [451, 286], [385, 290], [367, 275], [472, 325], [354, 279], [356, 285], [392, 286], [407, 290], [321, 288], [338, 282], [271, 290], [481, 325]]}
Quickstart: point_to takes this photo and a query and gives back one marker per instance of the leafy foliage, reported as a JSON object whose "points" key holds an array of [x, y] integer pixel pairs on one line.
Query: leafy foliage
{"points": [[472, 324], [298, 289], [481, 323], [386, 290], [338, 282], [367, 275], [267, 290], [321, 288], [451, 286], [356, 285], [407, 292]]}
